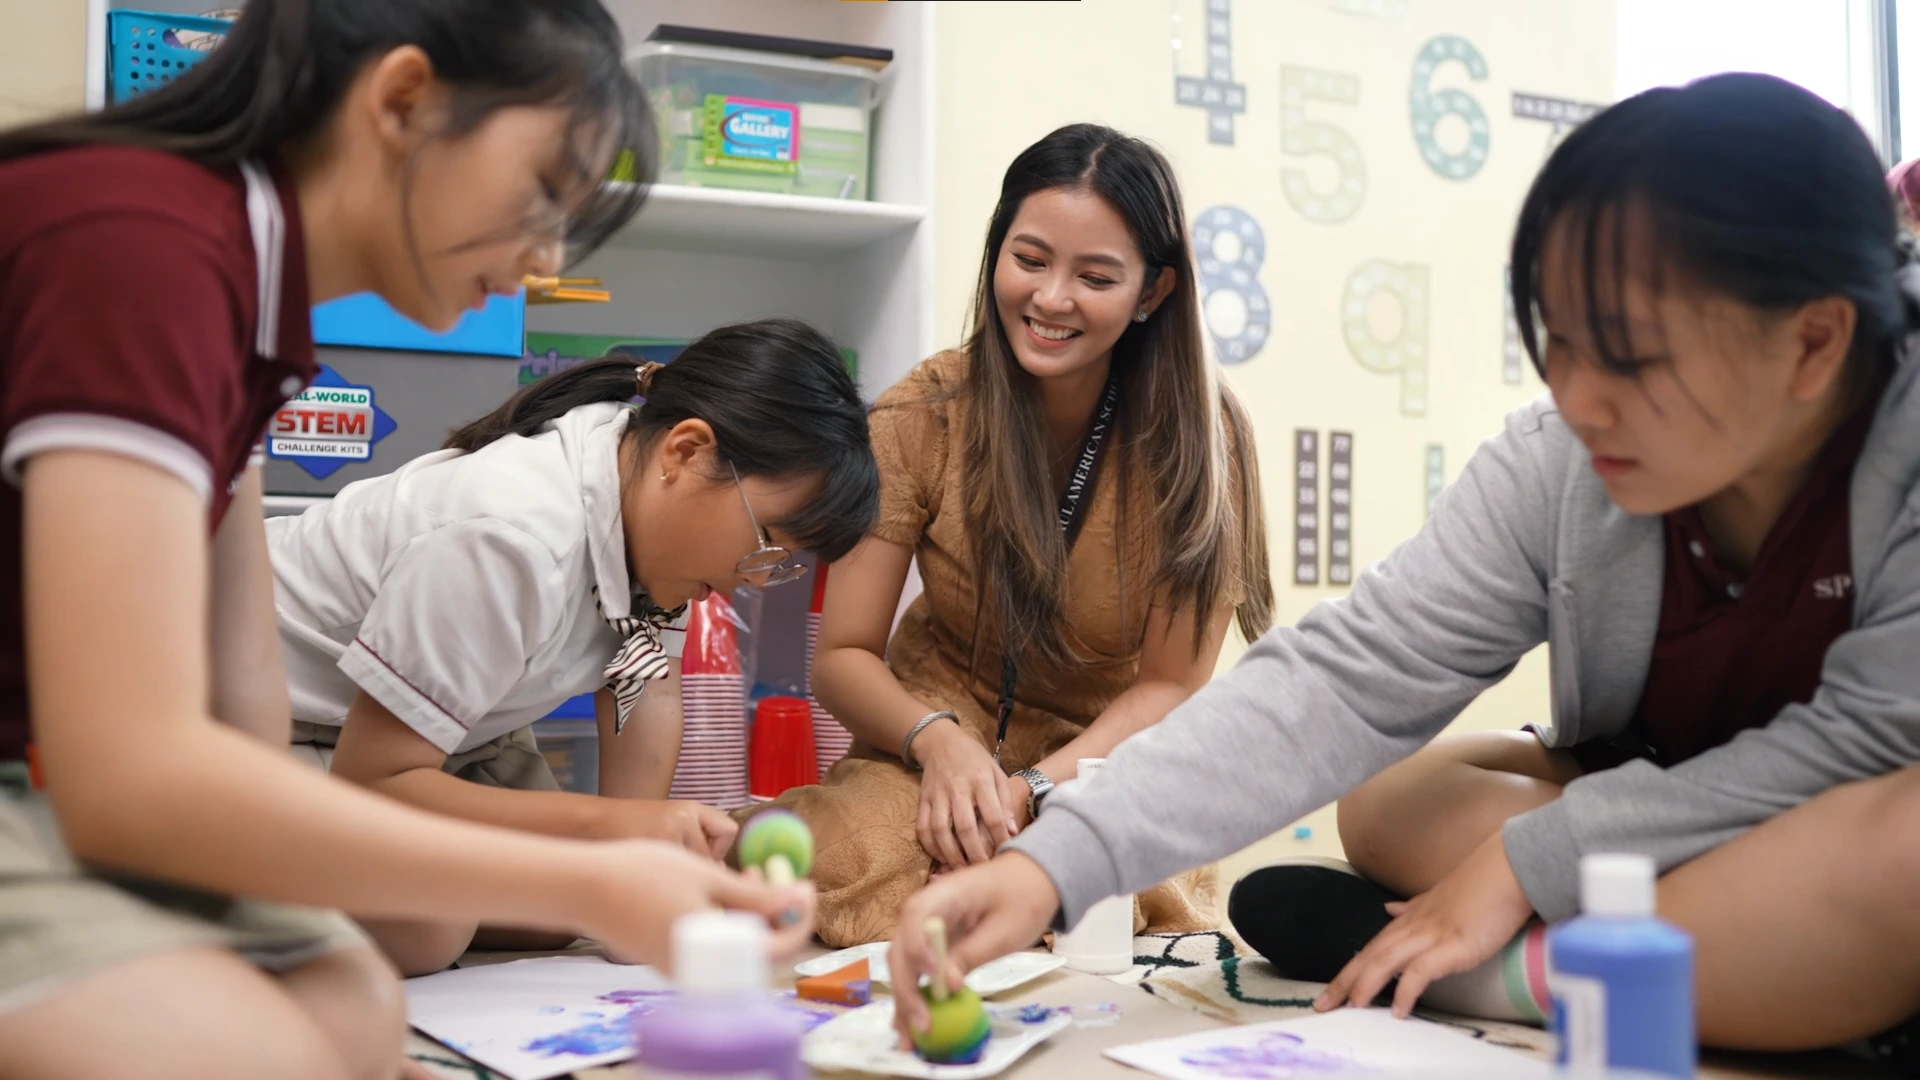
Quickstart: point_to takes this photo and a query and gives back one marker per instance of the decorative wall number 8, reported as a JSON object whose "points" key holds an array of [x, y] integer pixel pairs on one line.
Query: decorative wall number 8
{"points": [[1430, 106], [1302, 137], [1406, 352], [1229, 247]]}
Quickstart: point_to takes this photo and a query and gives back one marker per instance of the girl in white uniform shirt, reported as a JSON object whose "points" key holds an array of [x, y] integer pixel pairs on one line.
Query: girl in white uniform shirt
{"points": [[430, 616]]}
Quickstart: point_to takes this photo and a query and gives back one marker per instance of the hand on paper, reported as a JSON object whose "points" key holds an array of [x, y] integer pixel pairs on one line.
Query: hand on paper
{"points": [[644, 885], [1450, 928], [963, 818], [989, 910], [699, 828]]}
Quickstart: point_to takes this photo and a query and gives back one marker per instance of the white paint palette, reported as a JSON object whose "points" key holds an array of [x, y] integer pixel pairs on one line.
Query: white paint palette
{"points": [[990, 978], [864, 1041]]}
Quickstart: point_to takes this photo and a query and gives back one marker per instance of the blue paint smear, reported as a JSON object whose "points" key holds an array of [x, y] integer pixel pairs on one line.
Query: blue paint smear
{"points": [[587, 1040], [552, 1010]]}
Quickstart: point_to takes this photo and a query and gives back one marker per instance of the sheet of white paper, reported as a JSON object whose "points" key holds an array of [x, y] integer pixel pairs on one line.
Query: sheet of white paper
{"points": [[534, 1019], [1345, 1042]]}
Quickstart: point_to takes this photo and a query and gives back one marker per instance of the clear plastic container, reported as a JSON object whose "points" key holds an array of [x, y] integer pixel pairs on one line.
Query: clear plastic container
{"points": [[572, 749], [756, 121]]}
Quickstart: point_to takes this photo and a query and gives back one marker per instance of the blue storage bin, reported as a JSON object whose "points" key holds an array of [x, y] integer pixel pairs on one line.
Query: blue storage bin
{"points": [[574, 708], [143, 52], [366, 321]]}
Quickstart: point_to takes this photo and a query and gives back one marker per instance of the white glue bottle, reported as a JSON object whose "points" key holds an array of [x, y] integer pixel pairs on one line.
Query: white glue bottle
{"points": [[1102, 942]]}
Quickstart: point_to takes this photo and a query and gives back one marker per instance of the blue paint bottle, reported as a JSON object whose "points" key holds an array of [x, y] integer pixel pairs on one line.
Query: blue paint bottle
{"points": [[1621, 980]]}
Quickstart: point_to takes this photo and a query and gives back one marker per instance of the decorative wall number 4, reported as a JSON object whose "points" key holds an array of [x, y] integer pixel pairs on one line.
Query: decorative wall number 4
{"points": [[1405, 353], [1301, 137], [1430, 106], [1217, 93], [1230, 247]]}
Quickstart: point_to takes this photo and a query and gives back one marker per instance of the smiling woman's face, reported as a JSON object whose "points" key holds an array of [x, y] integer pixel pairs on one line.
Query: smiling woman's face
{"points": [[1067, 282]]}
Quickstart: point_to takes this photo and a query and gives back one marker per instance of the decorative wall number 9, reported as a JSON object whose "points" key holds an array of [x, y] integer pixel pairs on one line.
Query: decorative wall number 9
{"points": [[1430, 106], [1406, 352], [1302, 137], [1230, 248]]}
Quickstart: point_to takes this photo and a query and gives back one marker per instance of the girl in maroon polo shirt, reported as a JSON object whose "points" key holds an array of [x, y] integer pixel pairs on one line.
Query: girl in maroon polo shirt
{"points": [[157, 262]]}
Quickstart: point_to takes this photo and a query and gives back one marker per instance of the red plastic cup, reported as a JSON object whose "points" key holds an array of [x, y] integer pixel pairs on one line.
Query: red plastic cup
{"points": [[781, 754]]}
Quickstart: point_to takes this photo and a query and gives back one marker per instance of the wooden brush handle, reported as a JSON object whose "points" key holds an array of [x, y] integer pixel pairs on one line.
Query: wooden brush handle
{"points": [[937, 940]]}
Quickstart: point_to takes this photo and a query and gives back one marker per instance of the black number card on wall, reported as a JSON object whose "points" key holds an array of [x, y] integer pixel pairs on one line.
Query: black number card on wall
{"points": [[1306, 507], [1339, 508]]}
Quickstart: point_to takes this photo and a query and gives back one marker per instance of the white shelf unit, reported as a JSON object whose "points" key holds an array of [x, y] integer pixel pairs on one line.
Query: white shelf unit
{"points": [[697, 257]]}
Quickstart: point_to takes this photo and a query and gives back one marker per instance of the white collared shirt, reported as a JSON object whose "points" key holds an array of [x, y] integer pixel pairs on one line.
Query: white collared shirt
{"points": [[458, 591]]}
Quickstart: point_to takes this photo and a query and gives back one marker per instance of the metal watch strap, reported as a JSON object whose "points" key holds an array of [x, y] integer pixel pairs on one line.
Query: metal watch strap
{"points": [[906, 744], [1038, 788]]}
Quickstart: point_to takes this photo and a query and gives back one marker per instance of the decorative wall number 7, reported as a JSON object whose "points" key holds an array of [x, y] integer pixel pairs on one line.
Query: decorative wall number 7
{"points": [[1301, 137], [1405, 353], [1217, 93], [1430, 106]]}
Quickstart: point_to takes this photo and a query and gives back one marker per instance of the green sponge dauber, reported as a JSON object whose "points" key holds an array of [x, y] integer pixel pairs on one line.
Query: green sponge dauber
{"points": [[779, 844]]}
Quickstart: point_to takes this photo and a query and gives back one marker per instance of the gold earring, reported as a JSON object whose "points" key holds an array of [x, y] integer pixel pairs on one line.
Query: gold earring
{"points": [[663, 476]]}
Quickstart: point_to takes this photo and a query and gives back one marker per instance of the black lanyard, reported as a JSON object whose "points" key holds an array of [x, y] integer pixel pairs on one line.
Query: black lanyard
{"points": [[1072, 516]]}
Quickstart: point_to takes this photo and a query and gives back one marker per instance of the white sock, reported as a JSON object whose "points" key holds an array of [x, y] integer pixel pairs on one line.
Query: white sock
{"points": [[1512, 985]]}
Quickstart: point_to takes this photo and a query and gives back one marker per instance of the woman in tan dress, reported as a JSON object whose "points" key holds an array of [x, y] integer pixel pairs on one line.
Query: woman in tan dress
{"points": [[1082, 395]]}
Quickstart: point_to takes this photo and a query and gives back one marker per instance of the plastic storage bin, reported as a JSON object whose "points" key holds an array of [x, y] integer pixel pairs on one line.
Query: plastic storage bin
{"points": [[148, 49], [755, 121]]}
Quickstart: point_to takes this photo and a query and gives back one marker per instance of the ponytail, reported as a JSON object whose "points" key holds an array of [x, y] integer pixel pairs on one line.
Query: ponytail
{"points": [[776, 394]]}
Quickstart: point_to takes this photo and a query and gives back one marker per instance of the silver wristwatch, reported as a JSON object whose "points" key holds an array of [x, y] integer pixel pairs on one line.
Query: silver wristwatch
{"points": [[1038, 788]]}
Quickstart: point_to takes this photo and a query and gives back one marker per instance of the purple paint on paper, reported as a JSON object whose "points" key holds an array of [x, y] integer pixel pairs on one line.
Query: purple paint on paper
{"points": [[636, 997], [601, 1034], [1277, 1056]]}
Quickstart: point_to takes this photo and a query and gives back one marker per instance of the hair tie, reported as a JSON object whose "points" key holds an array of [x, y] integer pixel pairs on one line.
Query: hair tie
{"points": [[643, 377]]}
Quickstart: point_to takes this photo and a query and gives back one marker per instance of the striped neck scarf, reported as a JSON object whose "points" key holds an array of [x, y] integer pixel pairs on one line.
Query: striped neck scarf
{"points": [[641, 656]]}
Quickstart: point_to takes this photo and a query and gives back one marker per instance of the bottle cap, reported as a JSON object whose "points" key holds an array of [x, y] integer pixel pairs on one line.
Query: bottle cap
{"points": [[1616, 885], [720, 952]]}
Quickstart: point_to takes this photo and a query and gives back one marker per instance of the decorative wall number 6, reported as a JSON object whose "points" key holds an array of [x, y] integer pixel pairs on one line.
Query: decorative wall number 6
{"points": [[1430, 106], [1406, 352], [1301, 137]]}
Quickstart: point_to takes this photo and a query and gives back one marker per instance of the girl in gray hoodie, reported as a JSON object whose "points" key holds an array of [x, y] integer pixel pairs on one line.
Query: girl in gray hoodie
{"points": [[1712, 520]]}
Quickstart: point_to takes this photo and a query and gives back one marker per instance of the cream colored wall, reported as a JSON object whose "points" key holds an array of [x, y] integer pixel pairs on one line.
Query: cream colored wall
{"points": [[1009, 72], [42, 58]]}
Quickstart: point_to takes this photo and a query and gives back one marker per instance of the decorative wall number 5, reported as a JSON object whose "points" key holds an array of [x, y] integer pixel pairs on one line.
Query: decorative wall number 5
{"points": [[1301, 137], [1430, 106]]}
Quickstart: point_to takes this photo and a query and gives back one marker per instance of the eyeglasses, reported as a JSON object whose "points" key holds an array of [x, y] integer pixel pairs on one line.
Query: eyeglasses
{"points": [[769, 558]]}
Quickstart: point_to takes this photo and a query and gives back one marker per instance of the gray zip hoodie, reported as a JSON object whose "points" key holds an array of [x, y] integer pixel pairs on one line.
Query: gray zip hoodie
{"points": [[1524, 547]]}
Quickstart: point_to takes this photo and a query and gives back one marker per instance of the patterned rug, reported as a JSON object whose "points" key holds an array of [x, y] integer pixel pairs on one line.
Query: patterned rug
{"points": [[1215, 973]]}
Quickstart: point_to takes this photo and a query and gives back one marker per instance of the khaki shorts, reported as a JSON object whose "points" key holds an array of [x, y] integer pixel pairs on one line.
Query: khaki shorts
{"points": [[59, 921], [511, 761]]}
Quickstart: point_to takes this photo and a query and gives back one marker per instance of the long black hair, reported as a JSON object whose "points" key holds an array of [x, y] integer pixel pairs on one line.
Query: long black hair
{"points": [[1751, 187], [1178, 421], [779, 400], [286, 64]]}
